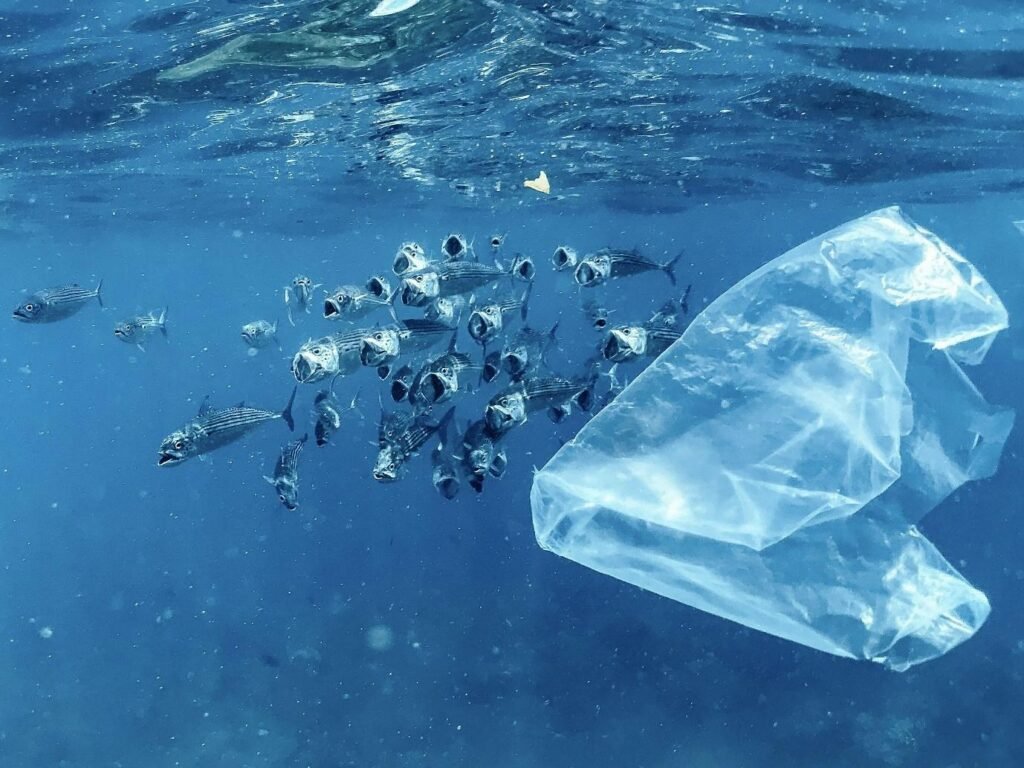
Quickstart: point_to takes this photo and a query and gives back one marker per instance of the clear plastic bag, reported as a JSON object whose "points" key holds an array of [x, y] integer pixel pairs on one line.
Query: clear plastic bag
{"points": [[769, 467]]}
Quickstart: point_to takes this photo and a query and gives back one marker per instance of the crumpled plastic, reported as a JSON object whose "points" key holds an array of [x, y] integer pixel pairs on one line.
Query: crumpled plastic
{"points": [[770, 466]]}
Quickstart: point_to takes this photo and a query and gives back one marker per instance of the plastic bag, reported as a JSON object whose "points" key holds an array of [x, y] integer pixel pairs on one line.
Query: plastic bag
{"points": [[769, 467]]}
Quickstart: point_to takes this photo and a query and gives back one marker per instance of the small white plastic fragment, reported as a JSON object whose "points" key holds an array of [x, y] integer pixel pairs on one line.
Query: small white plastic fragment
{"points": [[391, 7], [540, 184]]}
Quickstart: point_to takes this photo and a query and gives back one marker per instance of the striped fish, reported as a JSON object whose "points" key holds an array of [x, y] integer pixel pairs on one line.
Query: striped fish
{"points": [[286, 474], [400, 438], [214, 428], [512, 406], [52, 304], [328, 356]]}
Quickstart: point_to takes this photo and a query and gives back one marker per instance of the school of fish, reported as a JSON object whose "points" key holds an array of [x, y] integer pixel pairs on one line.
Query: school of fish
{"points": [[418, 359]]}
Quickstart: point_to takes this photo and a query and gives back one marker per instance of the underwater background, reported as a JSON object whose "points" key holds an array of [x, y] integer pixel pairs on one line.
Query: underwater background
{"points": [[197, 156]]}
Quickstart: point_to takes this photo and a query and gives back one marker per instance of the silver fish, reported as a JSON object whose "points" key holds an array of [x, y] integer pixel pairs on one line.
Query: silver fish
{"points": [[400, 437], [441, 378], [447, 310], [350, 302], [512, 406], [482, 454], [52, 304], [629, 342], [492, 366], [455, 248], [448, 279], [328, 356], [496, 242], [299, 294], [410, 258], [608, 264], [525, 352], [286, 474], [487, 322], [328, 413], [445, 475], [213, 429], [140, 328], [383, 345], [522, 268], [260, 334], [597, 314], [380, 287], [564, 258], [401, 382]]}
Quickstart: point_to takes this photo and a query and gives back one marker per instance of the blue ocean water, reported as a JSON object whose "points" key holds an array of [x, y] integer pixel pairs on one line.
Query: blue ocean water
{"points": [[197, 156]]}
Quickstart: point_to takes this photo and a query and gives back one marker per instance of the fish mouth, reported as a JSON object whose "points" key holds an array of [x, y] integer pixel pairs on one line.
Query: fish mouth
{"points": [[585, 274], [448, 487], [370, 354], [600, 323], [453, 247], [19, 315], [399, 391], [401, 264], [611, 349], [561, 259], [383, 371], [490, 372], [436, 388], [304, 370], [413, 297], [331, 309], [477, 326], [497, 418], [514, 364], [168, 459], [377, 287], [291, 506], [525, 270], [384, 477]]}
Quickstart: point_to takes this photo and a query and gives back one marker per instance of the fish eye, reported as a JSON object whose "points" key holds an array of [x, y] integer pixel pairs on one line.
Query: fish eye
{"points": [[281, 497], [379, 336], [179, 445], [30, 307], [446, 371], [317, 350]]}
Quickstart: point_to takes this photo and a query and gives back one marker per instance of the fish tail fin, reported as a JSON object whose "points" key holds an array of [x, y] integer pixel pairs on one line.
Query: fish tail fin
{"points": [[526, 302], [684, 303], [286, 414], [670, 268], [99, 294], [162, 322], [304, 438]]}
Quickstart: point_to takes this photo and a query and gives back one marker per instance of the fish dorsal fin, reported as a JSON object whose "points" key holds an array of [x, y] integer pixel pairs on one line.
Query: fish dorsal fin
{"points": [[241, 404], [205, 407]]}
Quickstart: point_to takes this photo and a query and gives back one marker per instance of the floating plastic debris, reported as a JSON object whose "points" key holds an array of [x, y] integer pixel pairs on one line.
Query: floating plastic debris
{"points": [[770, 466], [391, 7], [540, 184]]}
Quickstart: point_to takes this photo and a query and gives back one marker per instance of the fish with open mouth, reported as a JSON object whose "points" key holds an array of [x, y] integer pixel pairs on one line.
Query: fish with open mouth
{"points": [[380, 287], [383, 345], [400, 437], [650, 339], [401, 382], [455, 248], [299, 294], [286, 474], [260, 334], [492, 366], [487, 321], [351, 302], [448, 279], [141, 327], [597, 314], [482, 454], [447, 310], [214, 428], [609, 264], [410, 258], [522, 268], [512, 406], [524, 353], [52, 304], [328, 413], [337, 354], [496, 242], [445, 473], [564, 258], [441, 378]]}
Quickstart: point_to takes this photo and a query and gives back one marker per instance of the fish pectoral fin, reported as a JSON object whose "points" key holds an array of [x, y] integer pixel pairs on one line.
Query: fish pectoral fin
{"points": [[270, 480]]}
